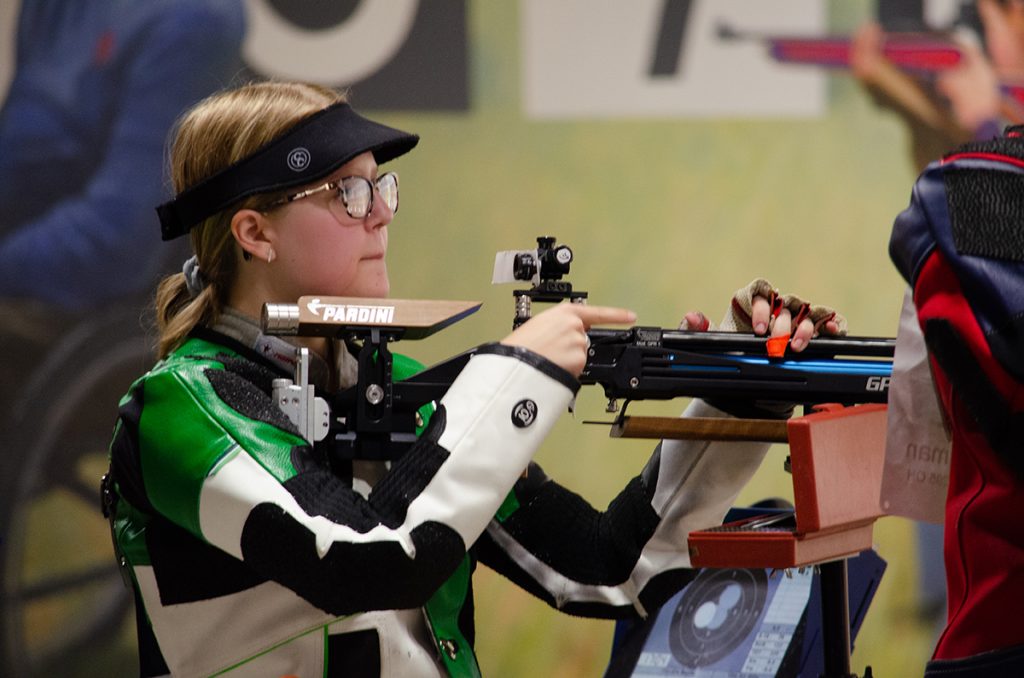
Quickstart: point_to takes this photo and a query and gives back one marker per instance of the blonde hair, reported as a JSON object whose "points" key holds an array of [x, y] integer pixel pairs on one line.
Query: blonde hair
{"points": [[214, 134]]}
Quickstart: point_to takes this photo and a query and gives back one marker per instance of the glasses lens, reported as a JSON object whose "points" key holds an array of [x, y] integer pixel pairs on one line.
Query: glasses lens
{"points": [[357, 194], [387, 185]]}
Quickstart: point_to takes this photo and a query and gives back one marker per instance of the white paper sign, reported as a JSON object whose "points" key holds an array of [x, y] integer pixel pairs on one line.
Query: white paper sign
{"points": [[917, 449], [665, 59]]}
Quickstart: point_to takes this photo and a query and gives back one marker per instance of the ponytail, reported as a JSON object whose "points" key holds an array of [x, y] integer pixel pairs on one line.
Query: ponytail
{"points": [[179, 309], [177, 312]]}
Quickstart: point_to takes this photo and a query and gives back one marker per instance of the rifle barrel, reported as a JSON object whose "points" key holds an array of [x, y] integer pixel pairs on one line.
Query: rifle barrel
{"points": [[915, 53]]}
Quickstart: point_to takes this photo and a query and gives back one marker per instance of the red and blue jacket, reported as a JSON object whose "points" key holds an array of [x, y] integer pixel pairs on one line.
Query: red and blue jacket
{"points": [[960, 245]]}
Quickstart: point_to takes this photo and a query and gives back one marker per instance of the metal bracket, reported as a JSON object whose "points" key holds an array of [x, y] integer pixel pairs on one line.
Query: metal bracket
{"points": [[297, 399]]}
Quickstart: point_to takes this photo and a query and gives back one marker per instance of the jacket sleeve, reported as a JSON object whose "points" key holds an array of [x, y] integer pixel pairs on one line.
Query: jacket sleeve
{"points": [[633, 555], [235, 477]]}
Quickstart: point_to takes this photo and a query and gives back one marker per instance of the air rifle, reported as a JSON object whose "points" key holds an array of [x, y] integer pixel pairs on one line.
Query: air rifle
{"points": [[377, 418], [918, 54]]}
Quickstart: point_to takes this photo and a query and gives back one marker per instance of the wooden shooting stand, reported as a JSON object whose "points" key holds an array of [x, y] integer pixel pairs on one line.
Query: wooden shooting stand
{"points": [[836, 459]]}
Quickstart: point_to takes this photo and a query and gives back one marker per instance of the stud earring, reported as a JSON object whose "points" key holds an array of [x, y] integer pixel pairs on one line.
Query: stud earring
{"points": [[246, 255]]}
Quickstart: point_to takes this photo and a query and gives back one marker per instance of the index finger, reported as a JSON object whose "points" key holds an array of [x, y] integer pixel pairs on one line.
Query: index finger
{"points": [[601, 315]]}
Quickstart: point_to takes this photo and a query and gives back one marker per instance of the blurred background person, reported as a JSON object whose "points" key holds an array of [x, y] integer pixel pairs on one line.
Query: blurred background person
{"points": [[970, 101], [82, 130]]}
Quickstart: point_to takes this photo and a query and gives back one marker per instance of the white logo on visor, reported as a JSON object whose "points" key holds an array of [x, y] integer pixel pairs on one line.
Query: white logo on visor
{"points": [[298, 159]]}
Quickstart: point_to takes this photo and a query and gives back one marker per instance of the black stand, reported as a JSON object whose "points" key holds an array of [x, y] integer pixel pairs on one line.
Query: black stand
{"points": [[835, 620]]}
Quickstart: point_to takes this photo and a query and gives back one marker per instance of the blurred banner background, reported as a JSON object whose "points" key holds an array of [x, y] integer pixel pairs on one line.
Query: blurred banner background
{"points": [[676, 163]]}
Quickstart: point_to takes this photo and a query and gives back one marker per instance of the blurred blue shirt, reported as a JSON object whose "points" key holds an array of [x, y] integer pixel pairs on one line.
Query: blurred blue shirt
{"points": [[97, 87]]}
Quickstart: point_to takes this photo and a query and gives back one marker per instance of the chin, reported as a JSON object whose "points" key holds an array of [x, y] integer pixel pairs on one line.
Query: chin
{"points": [[374, 291], [380, 287], [377, 283]]}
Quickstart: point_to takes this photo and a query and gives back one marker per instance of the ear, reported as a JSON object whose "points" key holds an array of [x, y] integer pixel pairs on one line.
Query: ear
{"points": [[252, 233]]}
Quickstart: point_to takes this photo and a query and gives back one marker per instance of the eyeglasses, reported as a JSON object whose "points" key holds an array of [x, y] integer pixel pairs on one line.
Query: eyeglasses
{"points": [[355, 194]]}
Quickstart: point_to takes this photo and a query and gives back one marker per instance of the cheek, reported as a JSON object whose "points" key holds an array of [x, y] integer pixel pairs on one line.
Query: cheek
{"points": [[333, 271], [330, 265], [329, 259]]}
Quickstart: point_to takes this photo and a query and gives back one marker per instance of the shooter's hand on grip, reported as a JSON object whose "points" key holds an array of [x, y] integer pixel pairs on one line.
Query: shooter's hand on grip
{"points": [[560, 332], [760, 308]]}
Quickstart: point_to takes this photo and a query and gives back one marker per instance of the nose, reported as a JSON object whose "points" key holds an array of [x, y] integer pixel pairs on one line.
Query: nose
{"points": [[380, 214]]}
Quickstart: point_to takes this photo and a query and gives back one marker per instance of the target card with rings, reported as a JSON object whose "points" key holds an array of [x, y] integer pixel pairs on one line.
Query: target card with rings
{"points": [[728, 623]]}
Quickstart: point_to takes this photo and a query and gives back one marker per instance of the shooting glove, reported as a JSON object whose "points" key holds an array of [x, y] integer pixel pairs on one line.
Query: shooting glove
{"points": [[737, 319]]}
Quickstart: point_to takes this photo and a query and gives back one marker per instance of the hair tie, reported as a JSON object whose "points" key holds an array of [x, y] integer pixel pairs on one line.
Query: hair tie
{"points": [[194, 281]]}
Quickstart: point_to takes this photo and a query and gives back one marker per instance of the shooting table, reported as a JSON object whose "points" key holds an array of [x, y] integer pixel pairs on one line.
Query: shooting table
{"points": [[836, 458]]}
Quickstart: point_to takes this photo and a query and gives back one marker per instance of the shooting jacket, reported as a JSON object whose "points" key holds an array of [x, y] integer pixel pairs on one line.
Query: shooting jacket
{"points": [[250, 555], [959, 245]]}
